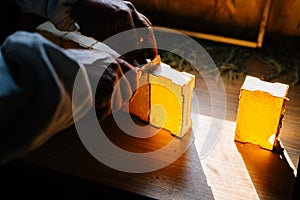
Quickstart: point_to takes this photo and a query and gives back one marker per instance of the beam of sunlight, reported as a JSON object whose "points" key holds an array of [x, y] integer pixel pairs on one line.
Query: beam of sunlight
{"points": [[224, 167]]}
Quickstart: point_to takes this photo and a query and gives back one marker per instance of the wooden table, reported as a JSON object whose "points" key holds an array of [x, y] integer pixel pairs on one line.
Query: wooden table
{"points": [[231, 170]]}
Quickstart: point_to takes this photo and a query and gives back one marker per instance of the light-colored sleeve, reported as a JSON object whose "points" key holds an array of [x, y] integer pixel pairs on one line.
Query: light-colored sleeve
{"points": [[36, 93], [57, 11]]}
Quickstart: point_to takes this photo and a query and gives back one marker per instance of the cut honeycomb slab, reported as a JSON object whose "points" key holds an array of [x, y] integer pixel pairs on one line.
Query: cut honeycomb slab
{"points": [[260, 112], [164, 98]]}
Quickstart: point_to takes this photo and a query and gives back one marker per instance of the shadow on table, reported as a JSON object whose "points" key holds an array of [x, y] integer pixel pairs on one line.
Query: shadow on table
{"points": [[183, 179], [271, 175], [20, 179]]}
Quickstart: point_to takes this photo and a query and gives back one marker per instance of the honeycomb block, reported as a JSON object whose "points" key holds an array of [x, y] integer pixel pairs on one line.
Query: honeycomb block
{"points": [[139, 105], [260, 113], [165, 98]]}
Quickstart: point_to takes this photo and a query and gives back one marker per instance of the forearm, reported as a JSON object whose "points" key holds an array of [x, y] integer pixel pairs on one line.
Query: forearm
{"points": [[36, 93]]}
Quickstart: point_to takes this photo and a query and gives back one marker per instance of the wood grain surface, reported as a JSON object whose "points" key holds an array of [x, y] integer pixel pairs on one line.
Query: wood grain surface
{"points": [[230, 171]]}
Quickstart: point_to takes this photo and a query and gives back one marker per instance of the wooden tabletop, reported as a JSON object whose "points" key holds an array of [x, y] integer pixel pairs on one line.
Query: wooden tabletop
{"points": [[230, 171]]}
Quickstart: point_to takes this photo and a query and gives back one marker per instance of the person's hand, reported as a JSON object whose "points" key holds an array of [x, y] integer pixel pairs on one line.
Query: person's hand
{"points": [[102, 19], [112, 79]]}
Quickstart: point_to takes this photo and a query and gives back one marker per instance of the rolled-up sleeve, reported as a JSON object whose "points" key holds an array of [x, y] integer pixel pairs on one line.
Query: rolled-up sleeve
{"points": [[36, 87]]}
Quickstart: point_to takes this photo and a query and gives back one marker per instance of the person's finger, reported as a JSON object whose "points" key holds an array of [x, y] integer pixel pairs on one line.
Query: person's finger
{"points": [[130, 72], [129, 42], [136, 57], [146, 35], [127, 45], [145, 18], [150, 39], [125, 66]]}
